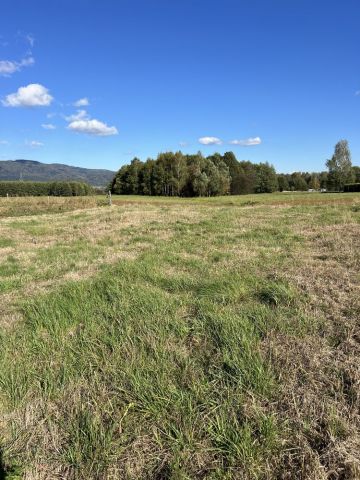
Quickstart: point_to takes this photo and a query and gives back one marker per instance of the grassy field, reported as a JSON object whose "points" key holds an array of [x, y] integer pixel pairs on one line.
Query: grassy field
{"points": [[166, 338]]}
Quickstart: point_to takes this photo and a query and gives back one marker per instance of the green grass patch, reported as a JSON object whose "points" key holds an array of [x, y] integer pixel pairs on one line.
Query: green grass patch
{"points": [[125, 337], [6, 242]]}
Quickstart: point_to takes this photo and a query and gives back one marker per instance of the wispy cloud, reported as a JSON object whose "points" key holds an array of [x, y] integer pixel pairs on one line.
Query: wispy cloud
{"points": [[30, 39], [4, 142], [8, 67], [34, 144], [33, 95], [48, 126], [79, 115], [82, 102], [183, 144], [357, 92], [210, 141], [247, 142]]}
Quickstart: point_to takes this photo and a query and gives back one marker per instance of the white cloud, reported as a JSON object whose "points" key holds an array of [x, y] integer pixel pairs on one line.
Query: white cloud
{"points": [[210, 141], [34, 144], [8, 67], [48, 126], [80, 115], [92, 127], [4, 142], [81, 122], [33, 95], [247, 142], [82, 102], [357, 92]]}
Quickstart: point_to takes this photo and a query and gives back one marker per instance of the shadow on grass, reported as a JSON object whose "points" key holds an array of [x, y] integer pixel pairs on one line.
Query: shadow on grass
{"points": [[8, 473], [2, 468]]}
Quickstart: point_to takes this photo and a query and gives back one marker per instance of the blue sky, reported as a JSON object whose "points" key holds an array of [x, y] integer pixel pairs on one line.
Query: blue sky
{"points": [[278, 78]]}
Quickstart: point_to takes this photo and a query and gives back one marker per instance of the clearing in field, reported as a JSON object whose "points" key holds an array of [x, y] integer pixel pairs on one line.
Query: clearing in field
{"points": [[211, 338]]}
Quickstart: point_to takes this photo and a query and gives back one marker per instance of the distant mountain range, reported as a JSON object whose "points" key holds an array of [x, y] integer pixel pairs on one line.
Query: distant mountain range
{"points": [[44, 172]]}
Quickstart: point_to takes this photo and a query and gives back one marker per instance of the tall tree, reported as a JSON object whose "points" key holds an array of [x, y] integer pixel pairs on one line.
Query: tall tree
{"points": [[356, 171], [283, 183], [235, 172], [314, 182], [266, 178], [246, 180], [146, 178], [132, 180], [340, 167], [323, 179], [298, 182]]}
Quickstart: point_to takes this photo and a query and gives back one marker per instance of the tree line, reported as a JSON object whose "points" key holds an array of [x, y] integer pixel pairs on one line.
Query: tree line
{"points": [[177, 174], [37, 189]]}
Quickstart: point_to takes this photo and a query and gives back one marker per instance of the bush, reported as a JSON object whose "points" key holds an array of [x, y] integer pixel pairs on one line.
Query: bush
{"points": [[37, 189], [352, 187]]}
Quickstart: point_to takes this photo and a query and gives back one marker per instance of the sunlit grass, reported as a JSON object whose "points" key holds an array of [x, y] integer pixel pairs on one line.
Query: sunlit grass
{"points": [[171, 338]]}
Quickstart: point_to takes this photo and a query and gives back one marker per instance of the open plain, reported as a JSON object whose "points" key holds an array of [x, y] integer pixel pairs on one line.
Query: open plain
{"points": [[169, 338]]}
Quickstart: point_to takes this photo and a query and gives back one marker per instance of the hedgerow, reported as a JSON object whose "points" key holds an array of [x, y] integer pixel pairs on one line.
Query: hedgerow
{"points": [[38, 189]]}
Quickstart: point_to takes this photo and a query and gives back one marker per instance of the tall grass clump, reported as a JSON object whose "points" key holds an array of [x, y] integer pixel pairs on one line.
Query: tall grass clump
{"points": [[118, 376]]}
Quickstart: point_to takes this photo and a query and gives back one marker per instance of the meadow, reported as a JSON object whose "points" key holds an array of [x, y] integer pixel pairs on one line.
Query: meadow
{"points": [[167, 338]]}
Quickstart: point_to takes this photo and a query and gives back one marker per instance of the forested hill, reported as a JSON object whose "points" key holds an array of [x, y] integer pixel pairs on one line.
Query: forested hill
{"points": [[43, 172]]}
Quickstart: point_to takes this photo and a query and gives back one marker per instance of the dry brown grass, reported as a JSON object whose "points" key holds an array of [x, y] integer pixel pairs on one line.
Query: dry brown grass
{"points": [[320, 372]]}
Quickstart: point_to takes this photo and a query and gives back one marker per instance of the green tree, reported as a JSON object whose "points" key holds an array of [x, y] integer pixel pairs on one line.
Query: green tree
{"points": [[201, 184], [266, 179], [283, 183], [132, 177], [118, 185], [193, 175], [314, 182], [175, 172], [247, 178], [146, 186], [340, 167], [298, 182], [224, 178], [159, 179], [235, 172], [323, 179], [356, 172]]}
